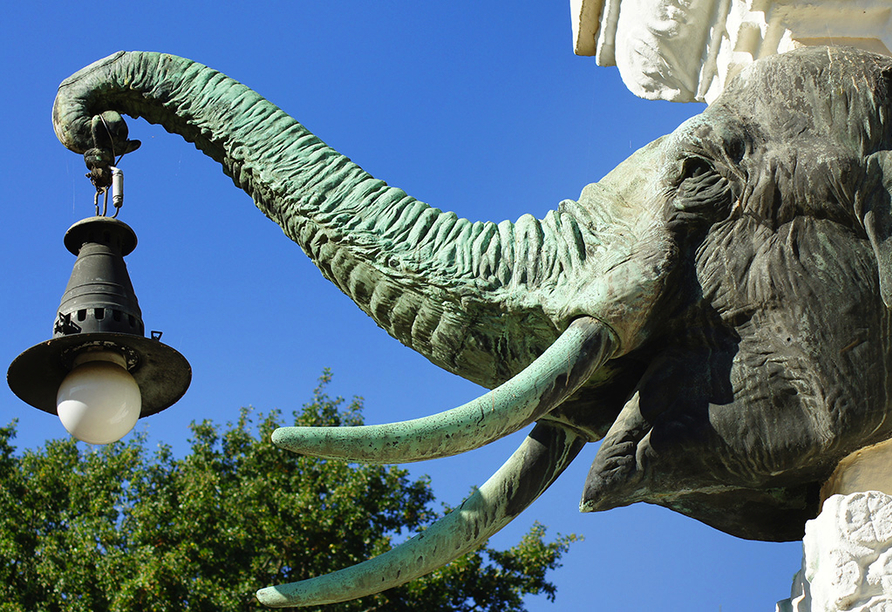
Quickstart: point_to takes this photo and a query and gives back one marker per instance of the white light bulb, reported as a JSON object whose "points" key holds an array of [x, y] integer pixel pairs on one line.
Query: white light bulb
{"points": [[99, 402]]}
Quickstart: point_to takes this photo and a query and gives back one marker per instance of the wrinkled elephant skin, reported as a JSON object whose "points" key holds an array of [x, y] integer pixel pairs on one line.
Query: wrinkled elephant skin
{"points": [[780, 197], [716, 308]]}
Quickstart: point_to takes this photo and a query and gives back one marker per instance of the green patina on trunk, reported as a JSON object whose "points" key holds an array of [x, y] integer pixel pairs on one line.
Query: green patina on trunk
{"points": [[716, 306], [479, 299]]}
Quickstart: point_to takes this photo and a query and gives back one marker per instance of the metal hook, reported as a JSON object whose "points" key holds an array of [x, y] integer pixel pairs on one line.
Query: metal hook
{"points": [[117, 189]]}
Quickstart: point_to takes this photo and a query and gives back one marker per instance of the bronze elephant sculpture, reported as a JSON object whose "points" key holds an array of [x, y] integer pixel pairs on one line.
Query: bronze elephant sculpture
{"points": [[715, 309]]}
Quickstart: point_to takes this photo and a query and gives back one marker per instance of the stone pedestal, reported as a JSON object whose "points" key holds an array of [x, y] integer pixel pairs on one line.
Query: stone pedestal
{"points": [[847, 549]]}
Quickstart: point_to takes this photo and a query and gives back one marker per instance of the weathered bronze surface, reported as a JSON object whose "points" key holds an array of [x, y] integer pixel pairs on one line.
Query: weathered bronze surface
{"points": [[730, 281]]}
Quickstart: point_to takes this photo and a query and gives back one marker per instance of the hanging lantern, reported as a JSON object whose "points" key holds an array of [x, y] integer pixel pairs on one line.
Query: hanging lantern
{"points": [[99, 372]]}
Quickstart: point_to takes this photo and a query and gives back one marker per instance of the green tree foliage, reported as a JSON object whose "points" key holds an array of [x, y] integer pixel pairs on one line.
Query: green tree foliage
{"points": [[117, 528]]}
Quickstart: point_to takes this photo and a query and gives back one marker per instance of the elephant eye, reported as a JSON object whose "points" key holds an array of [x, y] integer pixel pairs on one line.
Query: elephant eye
{"points": [[700, 195], [736, 150]]}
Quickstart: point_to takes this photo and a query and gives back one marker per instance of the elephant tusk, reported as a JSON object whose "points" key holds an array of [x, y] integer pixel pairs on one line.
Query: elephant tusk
{"points": [[537, 463], [543, 385]]}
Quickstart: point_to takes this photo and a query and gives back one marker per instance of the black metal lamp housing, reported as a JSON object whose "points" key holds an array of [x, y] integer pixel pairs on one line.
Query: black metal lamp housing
{"points": [[86, 372]]}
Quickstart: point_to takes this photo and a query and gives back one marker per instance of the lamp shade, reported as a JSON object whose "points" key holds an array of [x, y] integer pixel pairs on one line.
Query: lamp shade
{"points": [[99, 315]]}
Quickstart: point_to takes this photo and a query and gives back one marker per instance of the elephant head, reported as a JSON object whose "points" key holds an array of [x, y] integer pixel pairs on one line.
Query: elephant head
{"points": [[714, 309]]}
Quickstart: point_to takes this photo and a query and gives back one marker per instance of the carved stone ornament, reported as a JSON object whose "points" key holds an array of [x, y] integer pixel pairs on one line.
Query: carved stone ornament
{"points": [[688, 50], [847, 557]]}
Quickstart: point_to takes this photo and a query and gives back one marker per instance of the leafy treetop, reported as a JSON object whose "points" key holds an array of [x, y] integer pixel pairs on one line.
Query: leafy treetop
{"points": [[118, 529]]}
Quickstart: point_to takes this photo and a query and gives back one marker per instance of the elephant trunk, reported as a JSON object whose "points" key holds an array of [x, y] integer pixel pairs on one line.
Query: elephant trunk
{"points": [[482, 300], [468, 296]]}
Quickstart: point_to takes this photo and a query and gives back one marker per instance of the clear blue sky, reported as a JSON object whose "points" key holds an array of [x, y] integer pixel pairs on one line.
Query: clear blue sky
{"points": [[480, 108]]}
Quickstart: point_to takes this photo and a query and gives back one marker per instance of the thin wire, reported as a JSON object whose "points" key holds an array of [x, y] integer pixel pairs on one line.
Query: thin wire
{"points": [[105, 189], [110, 139]]}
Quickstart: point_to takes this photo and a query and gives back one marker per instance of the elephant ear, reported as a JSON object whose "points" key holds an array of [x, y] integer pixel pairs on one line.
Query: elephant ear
{"points": [[877, 218]]}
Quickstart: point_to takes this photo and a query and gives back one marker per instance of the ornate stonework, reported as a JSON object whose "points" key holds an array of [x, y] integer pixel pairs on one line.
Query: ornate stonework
{"points": [[847, 557], [687, 50]]}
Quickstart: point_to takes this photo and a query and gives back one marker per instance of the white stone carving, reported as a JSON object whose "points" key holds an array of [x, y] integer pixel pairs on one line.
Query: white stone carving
{"points": [[847, 557], [686, 50]]}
